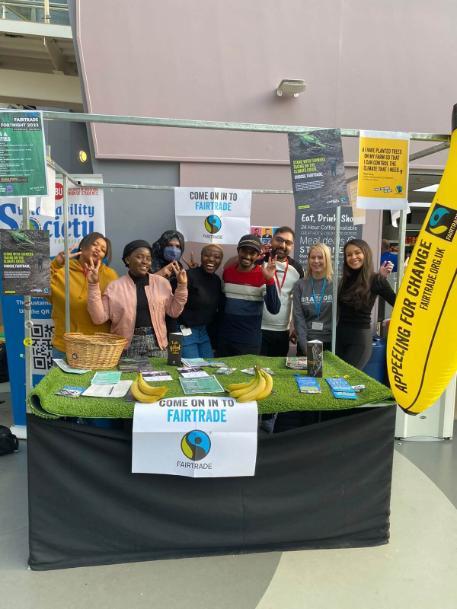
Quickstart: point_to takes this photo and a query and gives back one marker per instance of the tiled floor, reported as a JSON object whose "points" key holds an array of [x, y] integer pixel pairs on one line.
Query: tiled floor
{"points": [[416, 569]]}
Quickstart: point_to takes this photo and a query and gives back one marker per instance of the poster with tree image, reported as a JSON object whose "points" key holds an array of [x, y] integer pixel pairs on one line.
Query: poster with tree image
{"points": [[25, 263]]}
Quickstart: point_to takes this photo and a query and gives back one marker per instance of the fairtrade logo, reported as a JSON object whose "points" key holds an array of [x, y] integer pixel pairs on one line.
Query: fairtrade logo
{"points": [[442, 222], [195, 445], [213, 224]]}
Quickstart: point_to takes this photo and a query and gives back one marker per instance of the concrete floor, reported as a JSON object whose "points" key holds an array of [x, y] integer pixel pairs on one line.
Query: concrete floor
{"points": [[416, 569]]}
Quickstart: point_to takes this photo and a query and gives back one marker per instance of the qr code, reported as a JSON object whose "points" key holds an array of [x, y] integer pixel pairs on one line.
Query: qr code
{"points": [[41, 346]]}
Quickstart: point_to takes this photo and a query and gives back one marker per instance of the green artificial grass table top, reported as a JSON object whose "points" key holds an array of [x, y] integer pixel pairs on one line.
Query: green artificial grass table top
{"points": [[284, 397]]}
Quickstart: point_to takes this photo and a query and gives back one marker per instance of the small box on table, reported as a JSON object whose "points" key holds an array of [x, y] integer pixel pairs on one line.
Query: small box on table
{"points": [[174, 348], [315, 357]]}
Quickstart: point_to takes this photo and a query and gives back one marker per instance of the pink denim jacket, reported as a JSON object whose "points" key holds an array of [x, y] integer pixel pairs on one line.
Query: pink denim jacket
{"points": [[118, 304]]}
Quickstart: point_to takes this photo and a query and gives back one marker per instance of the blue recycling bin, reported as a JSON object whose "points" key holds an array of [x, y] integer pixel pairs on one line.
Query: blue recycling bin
{"points": [[377, 366]]}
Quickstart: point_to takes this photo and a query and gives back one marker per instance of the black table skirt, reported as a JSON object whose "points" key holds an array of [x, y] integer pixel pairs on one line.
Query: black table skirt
{"points": [[326, 485]]}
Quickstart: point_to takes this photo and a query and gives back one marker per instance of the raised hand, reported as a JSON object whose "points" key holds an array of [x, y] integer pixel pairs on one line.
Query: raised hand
{"points": [[386, 268], [191, 264], [60, 258], [92, 270], [269, 268], [180, 273]]}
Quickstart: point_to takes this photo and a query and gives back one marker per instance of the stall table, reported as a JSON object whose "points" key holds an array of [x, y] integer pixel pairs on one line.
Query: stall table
{"points": [[324, 485]]}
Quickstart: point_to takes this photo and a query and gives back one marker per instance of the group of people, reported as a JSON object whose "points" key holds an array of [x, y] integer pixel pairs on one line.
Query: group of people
{"points": [[264, 301]]}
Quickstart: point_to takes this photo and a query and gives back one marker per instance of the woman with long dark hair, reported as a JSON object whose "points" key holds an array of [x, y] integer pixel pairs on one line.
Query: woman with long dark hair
{"points": [[358, 290]]}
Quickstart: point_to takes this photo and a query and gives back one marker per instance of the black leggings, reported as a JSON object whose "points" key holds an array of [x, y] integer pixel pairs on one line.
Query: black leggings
{"points": [[354, 345]]}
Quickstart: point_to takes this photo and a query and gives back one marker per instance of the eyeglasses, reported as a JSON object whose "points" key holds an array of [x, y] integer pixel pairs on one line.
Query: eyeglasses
{"points": [[281, 240]]}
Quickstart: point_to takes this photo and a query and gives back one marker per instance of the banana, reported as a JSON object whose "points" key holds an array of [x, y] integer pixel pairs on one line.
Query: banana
{"points": [[236, 386], [254, 392], [145, 398], [144, 387], [246, 387], [268, 385]]}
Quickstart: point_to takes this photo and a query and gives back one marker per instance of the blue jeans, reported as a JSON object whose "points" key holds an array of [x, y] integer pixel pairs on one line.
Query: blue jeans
{"points": [[56, 354], [197, 344]]}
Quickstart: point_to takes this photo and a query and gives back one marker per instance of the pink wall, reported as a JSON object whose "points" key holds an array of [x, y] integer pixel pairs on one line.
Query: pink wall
{"points": [[366, 64]]}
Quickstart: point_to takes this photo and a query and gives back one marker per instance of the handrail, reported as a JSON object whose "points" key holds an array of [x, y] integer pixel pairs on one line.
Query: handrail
{"points": [[81, 117]]}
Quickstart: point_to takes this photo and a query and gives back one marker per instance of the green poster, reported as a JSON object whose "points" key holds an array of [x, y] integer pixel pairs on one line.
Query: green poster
{"points": [[22, 154]]}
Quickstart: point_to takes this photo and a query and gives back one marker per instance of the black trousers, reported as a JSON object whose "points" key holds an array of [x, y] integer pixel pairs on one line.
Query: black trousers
{"points": [[275, 343], [354, 345]]}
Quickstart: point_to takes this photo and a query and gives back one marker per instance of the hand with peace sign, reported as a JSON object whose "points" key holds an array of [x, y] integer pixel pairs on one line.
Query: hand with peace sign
{"points": [[269, 268], [92, 270], [180, 273], [60, 258]]}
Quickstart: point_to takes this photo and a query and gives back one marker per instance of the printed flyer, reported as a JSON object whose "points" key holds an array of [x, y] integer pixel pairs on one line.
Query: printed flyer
{"points": [[24, 259], [383, 170], [22, 154]]}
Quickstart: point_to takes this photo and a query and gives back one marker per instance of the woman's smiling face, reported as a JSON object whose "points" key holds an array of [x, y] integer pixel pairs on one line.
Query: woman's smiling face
{"points": [[354, 257]]}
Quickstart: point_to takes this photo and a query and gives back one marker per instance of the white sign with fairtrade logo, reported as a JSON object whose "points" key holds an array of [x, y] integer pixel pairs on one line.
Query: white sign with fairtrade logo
{"points": [[213, 215], [195, 436]]}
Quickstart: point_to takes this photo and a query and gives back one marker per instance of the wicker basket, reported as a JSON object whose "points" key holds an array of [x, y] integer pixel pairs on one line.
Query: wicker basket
{"points": [[98, 351]]}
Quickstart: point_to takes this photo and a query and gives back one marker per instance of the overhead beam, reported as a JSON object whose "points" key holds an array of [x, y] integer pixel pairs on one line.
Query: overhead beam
{"points": [[56, 57], [38, 88], [28, 28]]}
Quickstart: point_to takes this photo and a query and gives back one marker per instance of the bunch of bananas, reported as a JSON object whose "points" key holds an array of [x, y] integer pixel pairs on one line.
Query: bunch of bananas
{"points": [[258, 389], [143, 392]]}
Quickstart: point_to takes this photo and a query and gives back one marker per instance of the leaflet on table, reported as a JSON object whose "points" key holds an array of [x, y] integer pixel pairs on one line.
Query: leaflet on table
{"points": [[66, 368], [70, 391], [194, 362], [157, 376], [116, 390], [297, 362], [341, 389], [192, 373], [307, 384], [106, 378], [252, 371], [209, 384], [134, 364]]}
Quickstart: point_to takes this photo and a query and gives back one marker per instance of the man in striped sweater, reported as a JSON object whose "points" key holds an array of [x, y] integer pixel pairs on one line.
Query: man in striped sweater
{"points": [[247, 287]]}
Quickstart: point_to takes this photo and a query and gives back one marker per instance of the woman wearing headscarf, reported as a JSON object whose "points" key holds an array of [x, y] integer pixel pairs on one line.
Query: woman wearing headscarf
{"points": [[168, 249], [136, 303]]}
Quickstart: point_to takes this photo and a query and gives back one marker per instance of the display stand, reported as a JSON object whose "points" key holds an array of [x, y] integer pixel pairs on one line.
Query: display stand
{"points": [[326, 485]]}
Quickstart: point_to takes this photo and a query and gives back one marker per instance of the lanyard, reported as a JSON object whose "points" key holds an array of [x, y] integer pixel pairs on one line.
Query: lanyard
{"points": [[283, 277], [318, 303]]}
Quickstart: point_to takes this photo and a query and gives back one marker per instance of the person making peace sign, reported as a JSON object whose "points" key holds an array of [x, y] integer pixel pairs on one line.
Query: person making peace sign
{"points": [[136, 303]]}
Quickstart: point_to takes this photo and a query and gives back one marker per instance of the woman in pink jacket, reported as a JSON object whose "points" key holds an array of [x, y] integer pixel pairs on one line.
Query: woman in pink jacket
{"points": [[136, 303]]}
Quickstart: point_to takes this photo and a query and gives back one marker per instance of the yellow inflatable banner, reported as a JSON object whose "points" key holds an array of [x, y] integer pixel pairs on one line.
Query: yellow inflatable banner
{"points": [[422, 340]]}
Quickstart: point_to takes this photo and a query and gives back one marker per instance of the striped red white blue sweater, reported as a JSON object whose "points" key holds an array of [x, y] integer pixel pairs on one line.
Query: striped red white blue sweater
{"points": [[245, 293]]}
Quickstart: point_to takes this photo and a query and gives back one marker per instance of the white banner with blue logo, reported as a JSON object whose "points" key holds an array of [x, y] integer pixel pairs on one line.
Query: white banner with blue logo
{"points": [[213, 215], [195, 436]]}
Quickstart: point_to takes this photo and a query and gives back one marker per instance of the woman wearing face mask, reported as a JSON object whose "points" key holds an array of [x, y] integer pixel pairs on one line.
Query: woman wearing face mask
{"points": [[313, 299], [167, 249], [203, 303], [95, 247], [358, 290], [136, 303]]}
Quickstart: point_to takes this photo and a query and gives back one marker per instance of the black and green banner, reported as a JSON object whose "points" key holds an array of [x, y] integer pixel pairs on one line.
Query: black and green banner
{"points": [[319, 186]]}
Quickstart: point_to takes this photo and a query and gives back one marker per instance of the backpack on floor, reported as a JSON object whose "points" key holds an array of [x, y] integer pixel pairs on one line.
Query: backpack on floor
{"points": [[8, 441]]}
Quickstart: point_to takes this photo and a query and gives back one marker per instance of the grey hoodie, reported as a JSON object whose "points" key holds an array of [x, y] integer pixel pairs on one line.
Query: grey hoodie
{"points": [[306, 307]]}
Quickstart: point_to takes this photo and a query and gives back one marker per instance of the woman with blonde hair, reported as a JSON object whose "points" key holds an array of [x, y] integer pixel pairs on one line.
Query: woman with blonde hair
{"points": [[312, 298]]}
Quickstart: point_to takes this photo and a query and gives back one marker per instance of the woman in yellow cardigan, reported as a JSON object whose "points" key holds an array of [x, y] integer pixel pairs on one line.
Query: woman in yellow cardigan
{"points": [[92, 248]]}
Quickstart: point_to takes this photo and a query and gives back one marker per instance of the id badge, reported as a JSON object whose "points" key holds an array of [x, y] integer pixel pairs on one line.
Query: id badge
{"points": [[317, 325], [186, 331]]}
